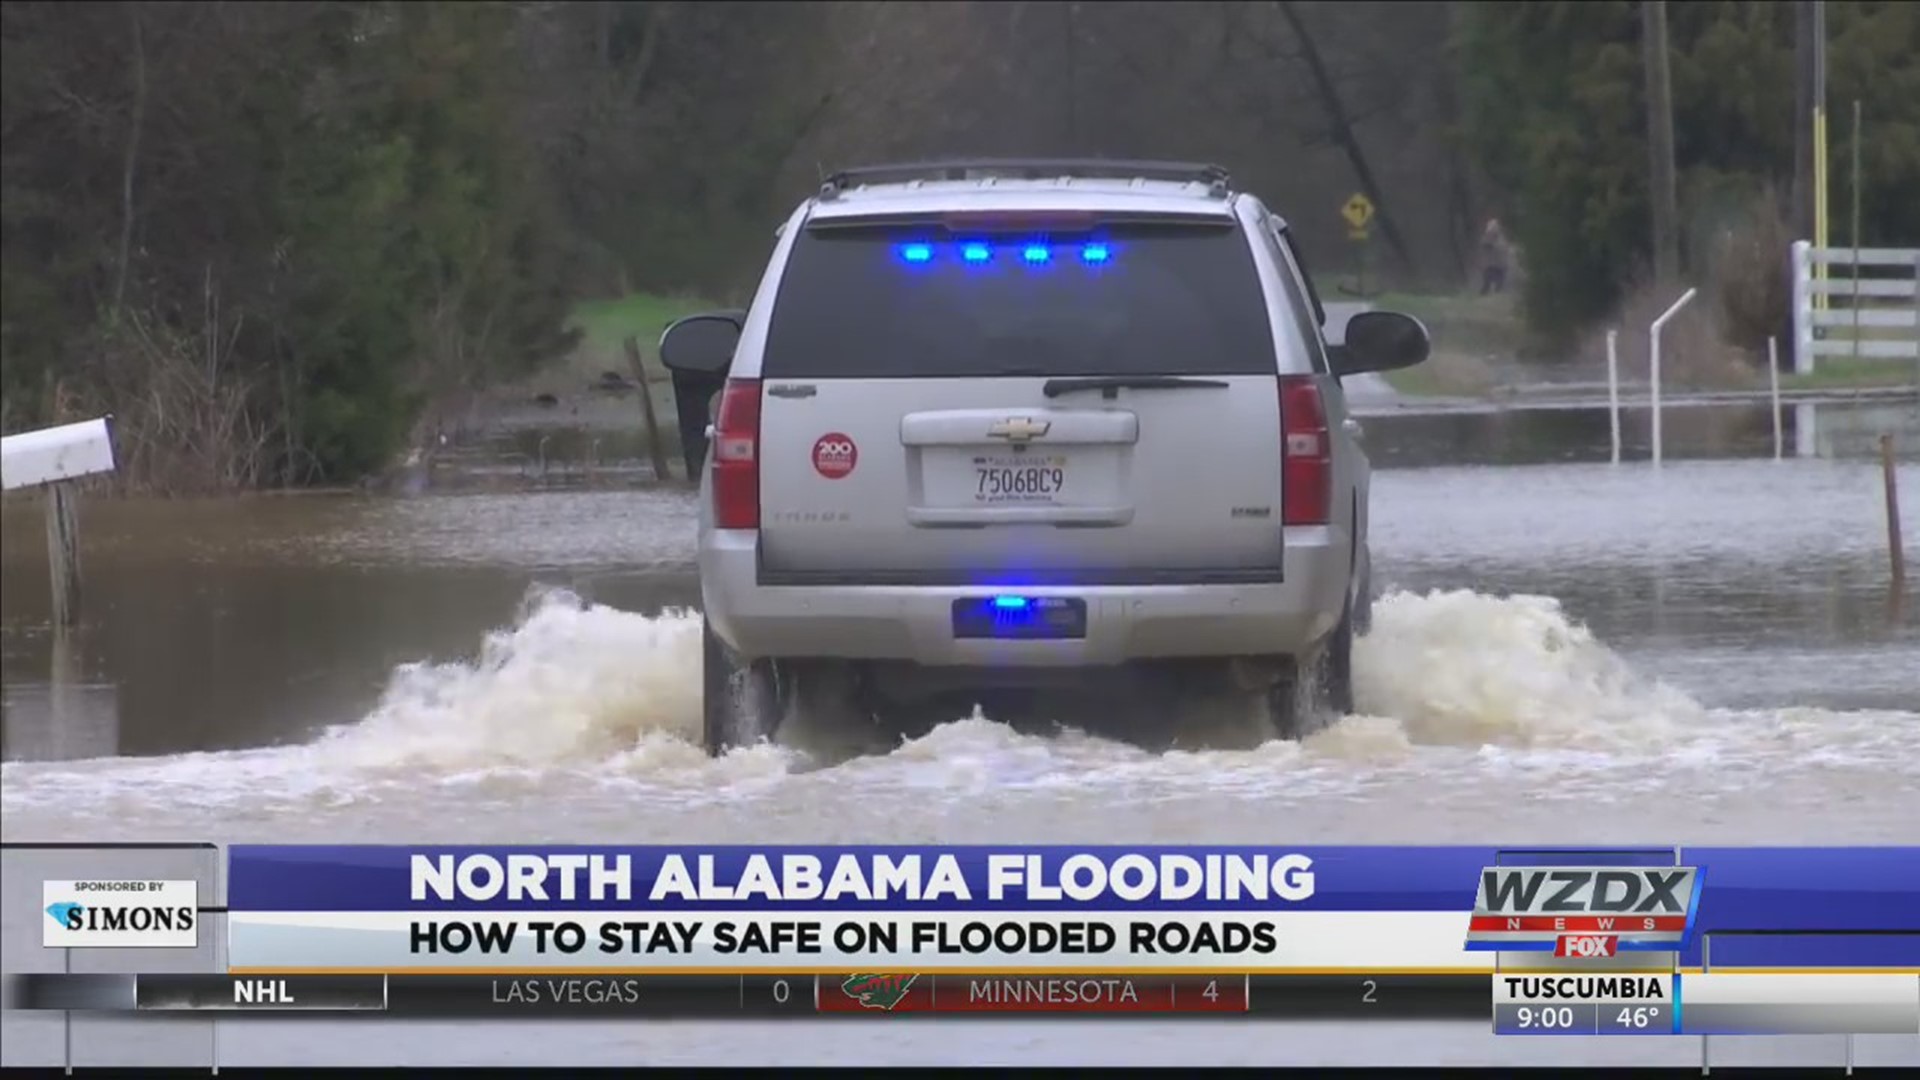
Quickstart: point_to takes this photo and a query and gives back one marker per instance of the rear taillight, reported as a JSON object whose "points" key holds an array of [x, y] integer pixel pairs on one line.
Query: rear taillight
{"points": [[1306, 469], [736, 456]]}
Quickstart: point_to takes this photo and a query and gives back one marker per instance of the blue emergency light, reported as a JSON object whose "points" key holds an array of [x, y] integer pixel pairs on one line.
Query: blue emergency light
{"points": [[976, 253]]}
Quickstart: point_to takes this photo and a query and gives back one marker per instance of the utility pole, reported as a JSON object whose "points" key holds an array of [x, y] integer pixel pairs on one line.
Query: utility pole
{"points": [[1822, 209], [1665, 200], [1073, 78], [1805, 67]]}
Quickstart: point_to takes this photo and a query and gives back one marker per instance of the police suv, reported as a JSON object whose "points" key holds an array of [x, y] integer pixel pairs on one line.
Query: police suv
{"points": [[995, 429]]}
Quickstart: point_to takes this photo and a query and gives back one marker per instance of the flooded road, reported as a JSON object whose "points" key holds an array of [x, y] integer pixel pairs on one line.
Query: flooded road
{"points": [[1565, 652]]}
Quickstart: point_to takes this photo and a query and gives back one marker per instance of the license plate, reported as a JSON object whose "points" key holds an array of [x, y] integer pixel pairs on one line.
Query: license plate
{"points": [[1020, 618], [1018, 479]]}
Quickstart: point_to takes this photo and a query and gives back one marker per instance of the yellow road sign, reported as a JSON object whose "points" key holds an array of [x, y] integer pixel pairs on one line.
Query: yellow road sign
{"points": [[1358, 211]]}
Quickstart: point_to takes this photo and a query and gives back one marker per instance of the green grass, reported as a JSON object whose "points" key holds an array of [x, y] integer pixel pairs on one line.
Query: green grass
{"points": [[1465, 323], [604, 324], [1418, 381], [1444, 374], [1841, 373]]}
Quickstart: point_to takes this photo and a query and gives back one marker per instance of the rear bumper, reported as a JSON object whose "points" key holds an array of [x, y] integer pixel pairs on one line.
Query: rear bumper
{"points": [[1124, 622]]}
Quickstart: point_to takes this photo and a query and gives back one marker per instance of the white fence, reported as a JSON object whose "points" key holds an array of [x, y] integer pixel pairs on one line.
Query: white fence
{"points": [[1849, 303]]}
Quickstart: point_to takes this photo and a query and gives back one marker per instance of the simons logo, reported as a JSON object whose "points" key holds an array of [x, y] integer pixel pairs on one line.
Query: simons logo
{"points": [[128, 914]]}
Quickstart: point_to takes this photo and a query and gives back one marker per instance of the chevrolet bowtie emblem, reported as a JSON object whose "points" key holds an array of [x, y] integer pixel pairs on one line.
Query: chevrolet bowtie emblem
{"points": [[1019, 429]]}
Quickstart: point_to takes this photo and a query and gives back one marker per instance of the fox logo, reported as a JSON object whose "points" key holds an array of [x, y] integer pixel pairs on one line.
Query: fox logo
{"points": [[1586, 946]]}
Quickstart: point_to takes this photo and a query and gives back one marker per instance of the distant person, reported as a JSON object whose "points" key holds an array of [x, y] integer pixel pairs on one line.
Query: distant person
{"points": [[1493, 258]]}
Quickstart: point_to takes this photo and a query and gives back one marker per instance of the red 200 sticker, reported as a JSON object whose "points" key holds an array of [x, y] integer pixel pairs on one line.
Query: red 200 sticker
{"points": [[834, 455]]}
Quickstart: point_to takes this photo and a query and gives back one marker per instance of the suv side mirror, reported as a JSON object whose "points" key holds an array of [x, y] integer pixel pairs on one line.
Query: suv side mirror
{"points": [[698, 351], [1380, 341], [702, 344]]}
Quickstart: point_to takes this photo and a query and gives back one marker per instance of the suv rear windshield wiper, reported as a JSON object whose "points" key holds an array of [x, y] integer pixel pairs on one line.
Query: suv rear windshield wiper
{"points": [[1108, 385]]}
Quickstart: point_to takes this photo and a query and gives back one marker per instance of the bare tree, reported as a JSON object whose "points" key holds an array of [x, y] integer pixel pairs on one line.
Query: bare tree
{"points": [[135, 123], [1340, 128], [1666, 214]]}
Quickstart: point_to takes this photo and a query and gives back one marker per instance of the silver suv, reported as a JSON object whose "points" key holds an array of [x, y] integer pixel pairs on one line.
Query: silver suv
{"points": [[996, 429]]}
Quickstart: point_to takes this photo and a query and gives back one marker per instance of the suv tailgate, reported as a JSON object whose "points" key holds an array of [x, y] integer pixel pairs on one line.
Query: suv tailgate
{"points": [[946, 409]]}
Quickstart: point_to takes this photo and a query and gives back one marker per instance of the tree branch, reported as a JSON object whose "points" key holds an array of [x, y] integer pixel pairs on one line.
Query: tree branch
{"points": [[1341, 130], [136, 122], [636, 81]]}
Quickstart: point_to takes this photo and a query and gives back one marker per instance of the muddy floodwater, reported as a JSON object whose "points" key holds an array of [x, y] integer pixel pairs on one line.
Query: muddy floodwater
{"points": [[1565, 651]]}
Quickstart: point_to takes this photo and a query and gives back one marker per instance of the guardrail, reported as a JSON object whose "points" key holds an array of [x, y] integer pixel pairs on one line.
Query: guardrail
{"points": [[1869, 312]]}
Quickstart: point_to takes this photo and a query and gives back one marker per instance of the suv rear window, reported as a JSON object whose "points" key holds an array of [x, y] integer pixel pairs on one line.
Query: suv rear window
{"points": [[1131, 299]]}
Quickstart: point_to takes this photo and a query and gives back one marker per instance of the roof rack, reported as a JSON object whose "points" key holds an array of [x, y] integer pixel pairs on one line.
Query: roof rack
{"points": [[1214, 176]]}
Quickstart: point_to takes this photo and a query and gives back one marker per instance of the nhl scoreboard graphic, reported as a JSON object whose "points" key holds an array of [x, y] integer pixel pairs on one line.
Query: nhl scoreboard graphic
{"points": [[1640, 941]]}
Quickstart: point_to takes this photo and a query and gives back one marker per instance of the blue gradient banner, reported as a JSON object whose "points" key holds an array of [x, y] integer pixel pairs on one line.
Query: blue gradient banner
{"points": [[380, 878], [1807, 890]]}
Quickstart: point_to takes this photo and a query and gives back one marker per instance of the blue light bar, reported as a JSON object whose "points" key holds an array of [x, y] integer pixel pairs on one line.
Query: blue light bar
{"points": [[1035, 253], [1096, 253], [916, 253], [975, 253], [1010, 603]]}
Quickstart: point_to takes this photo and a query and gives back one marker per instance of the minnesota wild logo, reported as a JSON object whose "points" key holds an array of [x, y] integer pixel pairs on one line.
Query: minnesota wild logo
{"points": [[878, 991]]}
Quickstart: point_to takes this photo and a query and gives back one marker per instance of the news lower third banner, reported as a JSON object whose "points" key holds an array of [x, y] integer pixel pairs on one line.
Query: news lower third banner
{"points": [[1026, 909]]}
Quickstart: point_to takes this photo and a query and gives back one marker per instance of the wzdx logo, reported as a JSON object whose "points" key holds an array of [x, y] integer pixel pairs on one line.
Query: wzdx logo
{"points": [[834, 455], [1582, 910], [121, 914]]}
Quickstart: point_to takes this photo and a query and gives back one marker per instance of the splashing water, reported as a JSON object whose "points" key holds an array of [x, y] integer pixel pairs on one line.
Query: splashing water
{"points": [[569, 683], [573, 684], [1466, 669], [575, 696]]}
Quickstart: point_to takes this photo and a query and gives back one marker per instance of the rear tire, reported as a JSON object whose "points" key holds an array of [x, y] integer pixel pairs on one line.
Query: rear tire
{"points": [[1229, 703], [1321, 689], [1290, 703], [1336, 668], [1363, 603], [826, 695], [738, 699]]}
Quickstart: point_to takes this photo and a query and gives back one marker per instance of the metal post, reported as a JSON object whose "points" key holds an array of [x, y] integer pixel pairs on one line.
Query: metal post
{"points": [[1802, 307], [1773, 378], [1856, 230], [63, 554], [1613, 391], [1821, 209], [1896, 555], [1653, 363], [656, 450]]}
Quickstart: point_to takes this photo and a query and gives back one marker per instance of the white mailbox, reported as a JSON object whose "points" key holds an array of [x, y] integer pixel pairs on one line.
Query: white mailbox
{"points": [[52, 454]]}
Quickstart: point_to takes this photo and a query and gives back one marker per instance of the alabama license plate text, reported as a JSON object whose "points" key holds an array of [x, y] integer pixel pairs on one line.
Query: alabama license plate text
{"points": [[998, 480]]}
